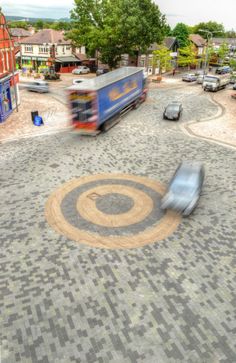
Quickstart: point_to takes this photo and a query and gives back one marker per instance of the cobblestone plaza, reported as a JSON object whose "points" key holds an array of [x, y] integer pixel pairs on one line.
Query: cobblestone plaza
{"points": [[171, 300]]}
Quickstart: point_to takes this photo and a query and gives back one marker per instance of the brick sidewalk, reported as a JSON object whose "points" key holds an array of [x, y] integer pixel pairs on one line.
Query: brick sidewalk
{"points": [[19, 125], [222, 128]]}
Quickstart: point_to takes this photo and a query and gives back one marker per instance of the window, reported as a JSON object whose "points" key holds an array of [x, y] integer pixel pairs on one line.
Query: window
{"points": [[29, 48], [43, 49], [68, 47]]}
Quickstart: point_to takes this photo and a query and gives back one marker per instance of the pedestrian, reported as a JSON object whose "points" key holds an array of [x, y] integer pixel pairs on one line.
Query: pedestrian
{"points": [[173, 73]]}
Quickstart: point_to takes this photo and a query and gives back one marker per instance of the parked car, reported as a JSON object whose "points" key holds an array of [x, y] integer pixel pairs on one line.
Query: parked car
{"points": [[189, 77], [185, 188], [101, 71], [223, 70], [173, 111], [81, 70], [78, 80], [200, 79], [38, 86], [234, 86]]}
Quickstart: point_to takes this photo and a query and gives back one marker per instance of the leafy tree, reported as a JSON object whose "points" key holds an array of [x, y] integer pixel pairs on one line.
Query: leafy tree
{"points": [[187, 56], [230, 34], [181, 32], [39, 24], [211, 26], [18, 24], [162, 58], [116, 27], [233, 64], [223, 52]]}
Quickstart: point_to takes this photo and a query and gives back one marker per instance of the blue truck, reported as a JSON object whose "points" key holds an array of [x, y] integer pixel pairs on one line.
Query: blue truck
{"points": [[97, 103]]}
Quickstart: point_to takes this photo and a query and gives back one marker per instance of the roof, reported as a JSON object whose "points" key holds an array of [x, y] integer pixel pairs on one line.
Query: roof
{"points": [[197, 40], [106, 79], [67, 59], [230, 41], [46, 36], [19, 32], [81, 56], [168, 42]]}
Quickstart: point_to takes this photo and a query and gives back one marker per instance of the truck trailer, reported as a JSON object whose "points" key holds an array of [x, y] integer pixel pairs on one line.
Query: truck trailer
{"points": [[97, 103], [215, 83]]}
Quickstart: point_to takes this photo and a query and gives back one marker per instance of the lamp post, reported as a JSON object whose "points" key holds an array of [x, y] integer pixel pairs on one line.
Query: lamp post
{"points": [[209, 37]]}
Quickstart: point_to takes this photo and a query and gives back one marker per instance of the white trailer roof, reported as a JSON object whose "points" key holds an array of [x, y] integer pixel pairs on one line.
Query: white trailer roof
{"points": [[104, 80]]}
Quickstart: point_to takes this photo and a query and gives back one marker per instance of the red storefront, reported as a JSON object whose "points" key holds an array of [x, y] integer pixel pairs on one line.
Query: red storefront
{"points": [[9, 95]]}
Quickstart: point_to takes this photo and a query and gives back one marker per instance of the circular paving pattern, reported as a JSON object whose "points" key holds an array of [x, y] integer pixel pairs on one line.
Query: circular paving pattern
{"points": [[111, 211]]}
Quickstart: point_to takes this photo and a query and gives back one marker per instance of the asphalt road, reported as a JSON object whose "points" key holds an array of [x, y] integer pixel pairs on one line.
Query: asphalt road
{"points": [[170, 301]]}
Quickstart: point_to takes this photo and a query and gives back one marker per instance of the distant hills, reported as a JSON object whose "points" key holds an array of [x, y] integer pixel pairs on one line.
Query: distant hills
{"points": [[33, 20]]}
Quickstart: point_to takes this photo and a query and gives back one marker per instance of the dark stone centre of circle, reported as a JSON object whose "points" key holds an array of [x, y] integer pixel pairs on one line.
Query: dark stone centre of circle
{"points": [[114, 203]]}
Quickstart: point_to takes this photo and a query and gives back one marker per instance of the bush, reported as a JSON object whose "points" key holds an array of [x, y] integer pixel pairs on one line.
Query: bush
{"points": [[52, 76]]}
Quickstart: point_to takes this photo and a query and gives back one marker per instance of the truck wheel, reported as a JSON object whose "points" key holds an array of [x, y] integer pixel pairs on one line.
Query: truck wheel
{"points": [[137, 104]]}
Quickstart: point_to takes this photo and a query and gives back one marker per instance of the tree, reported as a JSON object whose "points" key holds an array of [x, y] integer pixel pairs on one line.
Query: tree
{"points": [[162, 58], [230, 34], [39, 24], [233, 64], [187, 56], [223, 52], [211, 26], [116, 27], [181, 32]]}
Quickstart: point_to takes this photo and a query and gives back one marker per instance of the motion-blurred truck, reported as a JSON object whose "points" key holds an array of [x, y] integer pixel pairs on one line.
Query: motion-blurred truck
{"points": [[97, 103]]}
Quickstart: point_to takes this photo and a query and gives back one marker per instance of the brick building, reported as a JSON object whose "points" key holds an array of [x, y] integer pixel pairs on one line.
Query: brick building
{"points": [[9, 94]]}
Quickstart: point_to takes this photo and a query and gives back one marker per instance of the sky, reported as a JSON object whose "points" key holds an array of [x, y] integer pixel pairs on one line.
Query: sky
{"points": [[190, 12]]}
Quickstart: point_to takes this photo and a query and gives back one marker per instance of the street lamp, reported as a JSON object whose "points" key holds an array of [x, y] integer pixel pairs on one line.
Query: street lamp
{"points": [[209, 37]]}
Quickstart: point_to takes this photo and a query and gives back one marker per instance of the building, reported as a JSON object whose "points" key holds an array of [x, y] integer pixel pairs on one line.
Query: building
{"points": [[9, 94], [18, 34], [231, 42], [46, 46], [199, 46]]}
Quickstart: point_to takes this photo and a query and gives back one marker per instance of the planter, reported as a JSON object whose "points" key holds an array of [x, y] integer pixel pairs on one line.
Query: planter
{"points": [[159, 78]]}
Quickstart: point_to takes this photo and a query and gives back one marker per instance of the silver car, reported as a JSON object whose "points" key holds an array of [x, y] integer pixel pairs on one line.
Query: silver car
{"points": [[81, 70], [190, 77], [184, 189], [38, 86]]}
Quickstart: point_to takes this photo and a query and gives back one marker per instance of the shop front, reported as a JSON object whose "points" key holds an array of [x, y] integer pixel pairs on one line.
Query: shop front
{"points": [[5, 98]]}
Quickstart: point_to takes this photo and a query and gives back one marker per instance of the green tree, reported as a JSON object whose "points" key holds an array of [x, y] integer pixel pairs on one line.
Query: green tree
{"points": [[222, 52], [116, 27], [181, 32], [211, 26], [18, 24], [233, 64], [230, 34], [187, 56], [39, 24], [161, 57]]}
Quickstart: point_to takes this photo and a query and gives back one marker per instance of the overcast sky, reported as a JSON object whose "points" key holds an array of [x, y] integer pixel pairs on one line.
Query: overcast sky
{"points": [[190, 12]]}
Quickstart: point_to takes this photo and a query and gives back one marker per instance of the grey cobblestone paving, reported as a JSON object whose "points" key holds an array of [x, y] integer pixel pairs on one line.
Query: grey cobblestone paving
{"points": [[168, 302]]}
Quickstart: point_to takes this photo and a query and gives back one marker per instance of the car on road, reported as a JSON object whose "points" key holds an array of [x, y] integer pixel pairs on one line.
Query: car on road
{"points": [[81, 70], [173, 111], [185, 188], [101, 71], [78, 80], [223, 70], [38, 86], [189, 77]]}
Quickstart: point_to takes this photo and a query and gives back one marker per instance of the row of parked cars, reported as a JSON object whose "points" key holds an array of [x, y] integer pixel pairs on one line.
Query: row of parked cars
{"points": [[86, 70]]}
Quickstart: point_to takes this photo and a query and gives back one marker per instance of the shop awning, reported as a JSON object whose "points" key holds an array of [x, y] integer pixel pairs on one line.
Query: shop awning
{"points": [[68, 59]]}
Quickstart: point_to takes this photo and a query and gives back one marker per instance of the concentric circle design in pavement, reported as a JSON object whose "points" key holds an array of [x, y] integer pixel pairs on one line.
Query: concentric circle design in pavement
{"points": [[111, 211]]}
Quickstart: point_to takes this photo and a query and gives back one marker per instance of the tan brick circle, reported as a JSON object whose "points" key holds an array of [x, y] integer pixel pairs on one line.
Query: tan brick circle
{"points": [[159, 231], [86, 206]]}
